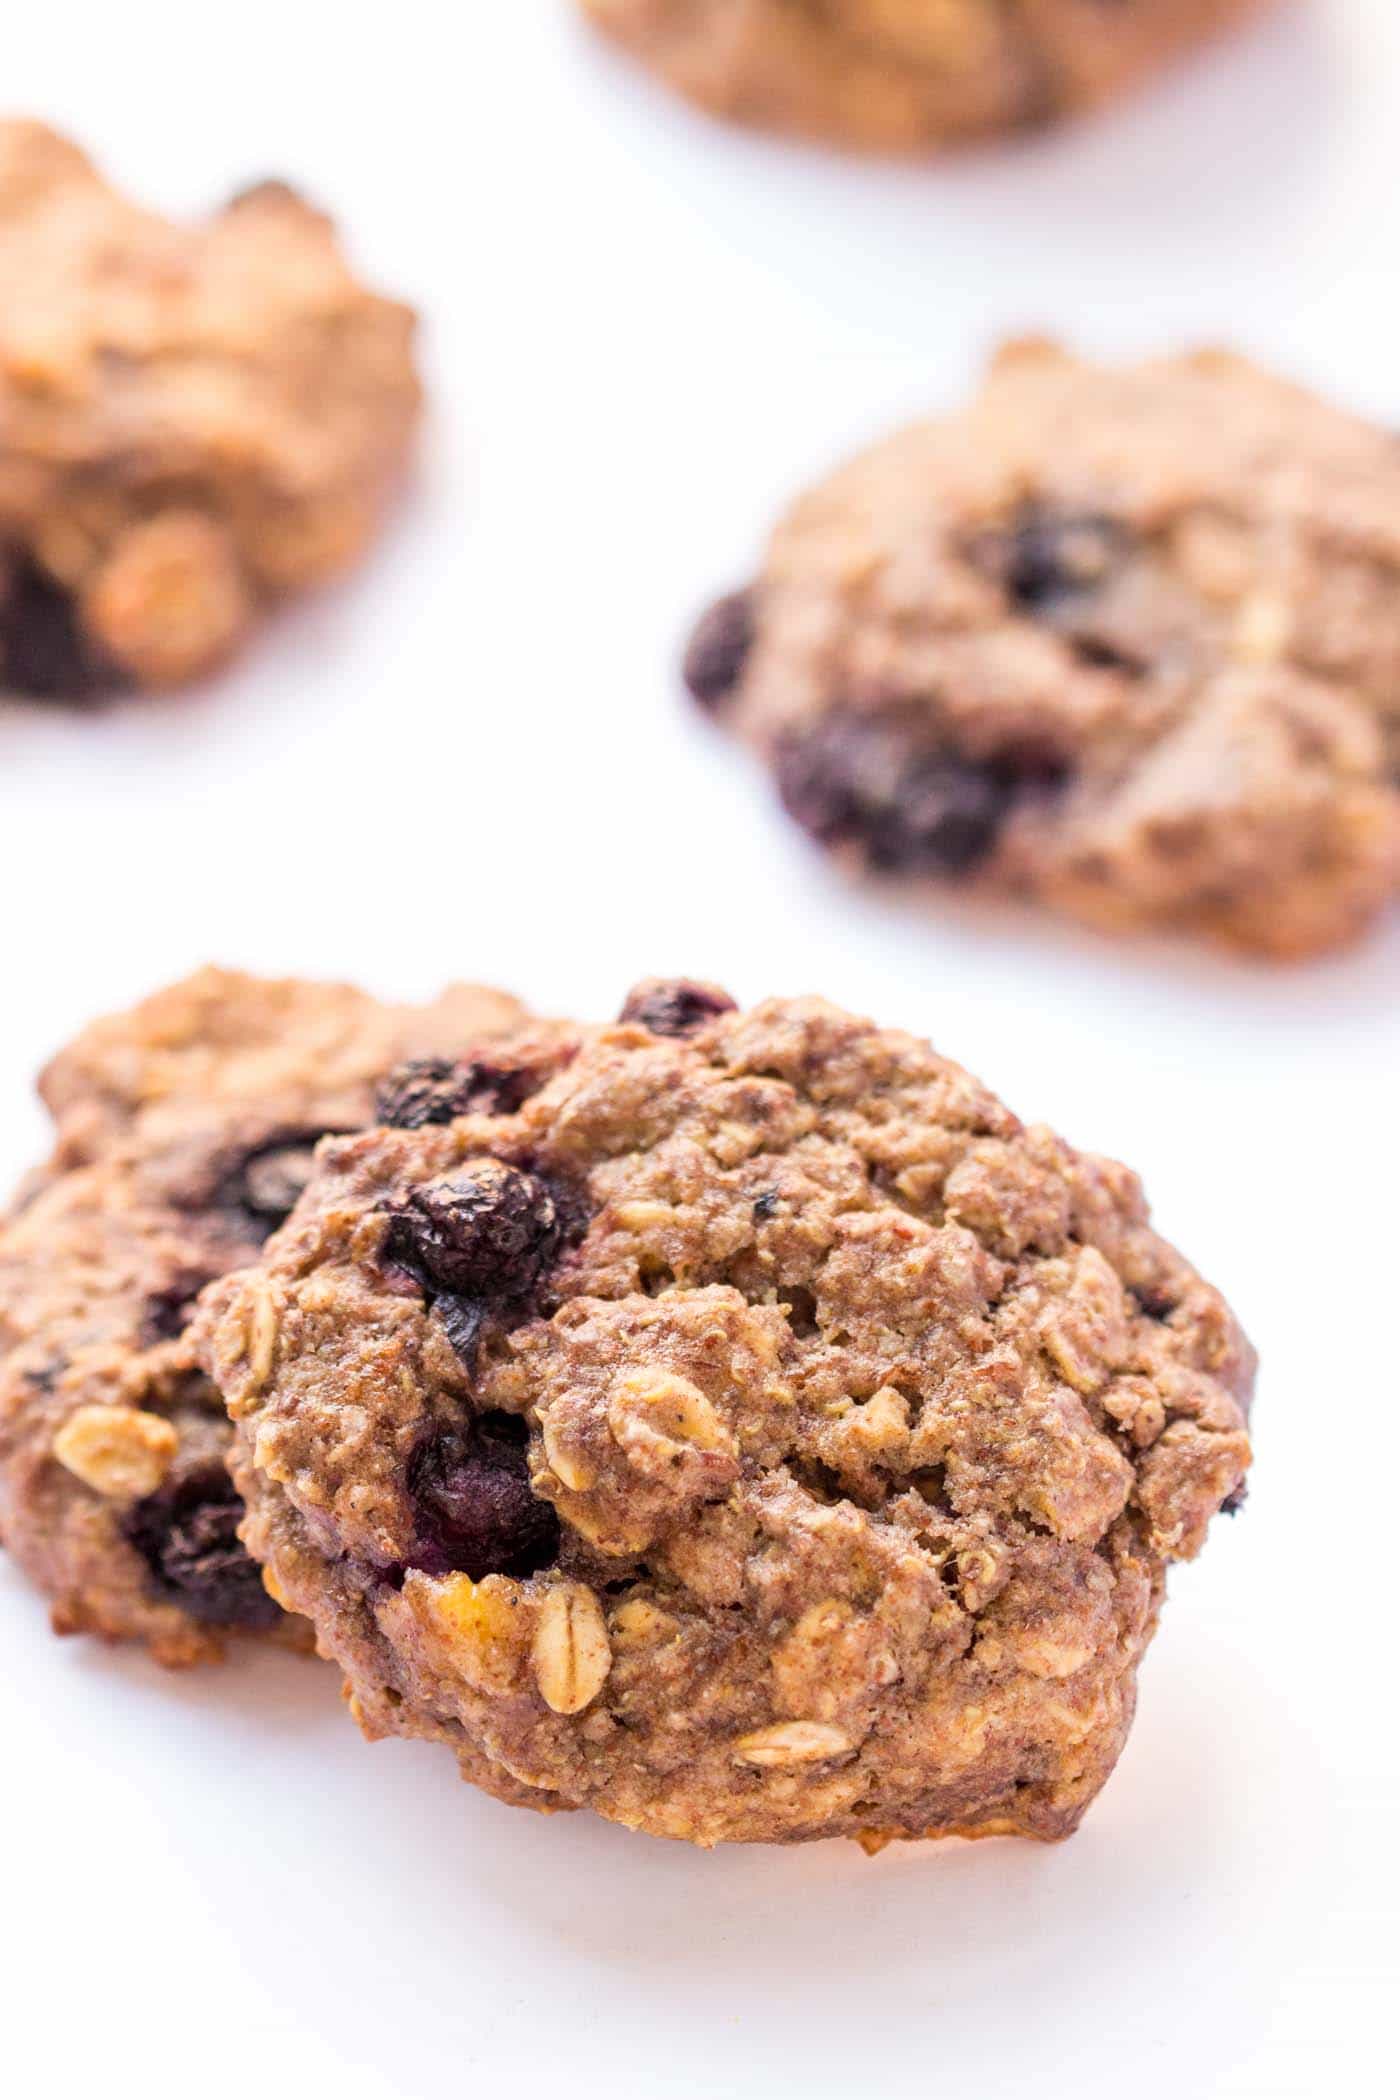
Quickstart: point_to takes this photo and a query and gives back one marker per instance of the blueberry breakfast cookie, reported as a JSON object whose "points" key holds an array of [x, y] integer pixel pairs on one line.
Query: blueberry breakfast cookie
{"points": [[1126, 641], [193, 421], [185, 1133], [903, 74], [745, 1427]]}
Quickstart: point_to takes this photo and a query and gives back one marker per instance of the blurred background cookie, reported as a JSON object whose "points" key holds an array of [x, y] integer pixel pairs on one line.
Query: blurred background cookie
{"points": [[1126, 641], [194, 421], [905, 74]]}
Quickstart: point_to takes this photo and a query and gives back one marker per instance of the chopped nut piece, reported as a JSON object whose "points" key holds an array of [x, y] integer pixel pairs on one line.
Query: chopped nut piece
{"points": [[637, 1624], [121, 1452], [480, 1625]]}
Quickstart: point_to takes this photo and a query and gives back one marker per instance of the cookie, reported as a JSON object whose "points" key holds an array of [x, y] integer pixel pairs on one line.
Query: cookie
{"points": [[194, 421], [752, 1432], [901, 75], [185, 1132], [1123, 641]]}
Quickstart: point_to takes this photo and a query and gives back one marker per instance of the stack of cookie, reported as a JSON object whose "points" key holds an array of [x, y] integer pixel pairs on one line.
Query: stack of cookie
{"points": [[737, 1423]]}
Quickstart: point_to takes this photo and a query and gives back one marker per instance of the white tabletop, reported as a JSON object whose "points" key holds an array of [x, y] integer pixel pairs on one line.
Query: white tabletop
{"points": [[643, 333]]}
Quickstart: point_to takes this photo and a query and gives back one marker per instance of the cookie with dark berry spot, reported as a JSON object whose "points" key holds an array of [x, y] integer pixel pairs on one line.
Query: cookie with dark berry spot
{"points": [[904, 75], [1124, 641], [752, 1432], [185, 1134], [195, 421]]}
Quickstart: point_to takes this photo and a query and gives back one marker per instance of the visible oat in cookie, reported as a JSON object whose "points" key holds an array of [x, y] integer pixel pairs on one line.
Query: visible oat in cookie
{"points": [[1124, 641], [186, 1131], [755, 1432], [901, 75], [194, 421]]}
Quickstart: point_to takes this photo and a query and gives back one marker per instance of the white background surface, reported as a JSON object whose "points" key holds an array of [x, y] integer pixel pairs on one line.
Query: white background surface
{"points": [[642, 333]]}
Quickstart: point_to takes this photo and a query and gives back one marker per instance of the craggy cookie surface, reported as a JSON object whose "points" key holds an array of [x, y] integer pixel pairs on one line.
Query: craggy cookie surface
{"points": [[1127, 641], [185, 1133], [742, 1425], [193, 421], [902, 74]]}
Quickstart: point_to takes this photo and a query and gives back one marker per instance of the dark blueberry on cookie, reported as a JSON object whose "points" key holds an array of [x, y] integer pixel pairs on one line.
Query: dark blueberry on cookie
{"points": [[1058, 567], [1049, 556], [718, 649], [422, 1091], [864, 780], [461, 1321], [188, 1537], [489, 1231], [877, 782], [265, 1185], [1155, 1302], [169, 1309], [474, 1508], [438, 1089], [44, 654], [674, 1005]]}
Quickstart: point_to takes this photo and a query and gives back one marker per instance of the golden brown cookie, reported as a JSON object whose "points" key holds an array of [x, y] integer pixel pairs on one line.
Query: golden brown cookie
{"points": [[900, 75], [1125, 641], [185, 1132], [744, 1427], [194, 421]]}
